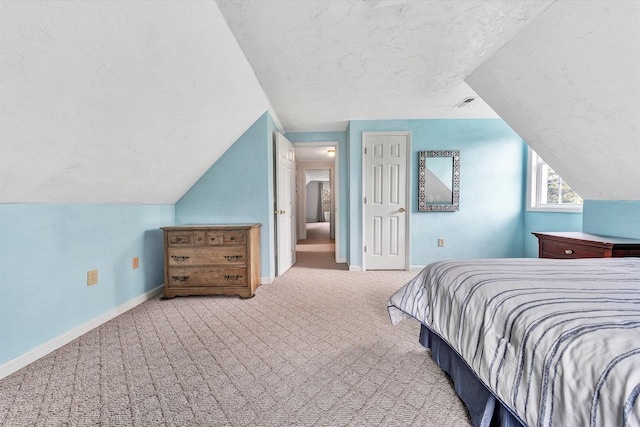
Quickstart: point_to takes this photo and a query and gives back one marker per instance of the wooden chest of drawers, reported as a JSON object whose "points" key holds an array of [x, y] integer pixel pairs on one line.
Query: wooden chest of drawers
{"points": [[584, 245], [211, 260]]}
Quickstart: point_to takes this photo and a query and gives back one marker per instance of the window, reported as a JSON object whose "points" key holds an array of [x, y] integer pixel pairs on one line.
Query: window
{"points": [[548, 191]]}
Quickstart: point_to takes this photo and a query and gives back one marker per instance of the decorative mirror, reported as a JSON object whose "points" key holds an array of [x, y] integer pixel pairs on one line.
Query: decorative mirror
{"points": [[439, 181]]}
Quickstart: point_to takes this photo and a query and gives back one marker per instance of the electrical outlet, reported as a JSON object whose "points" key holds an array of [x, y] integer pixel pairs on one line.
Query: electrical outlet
{"points": [[440, 243], [135, 263], [92, 277]]}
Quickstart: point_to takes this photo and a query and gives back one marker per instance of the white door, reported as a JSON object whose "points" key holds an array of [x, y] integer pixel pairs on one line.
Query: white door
{"points": [[284, 213], [386, 206]]}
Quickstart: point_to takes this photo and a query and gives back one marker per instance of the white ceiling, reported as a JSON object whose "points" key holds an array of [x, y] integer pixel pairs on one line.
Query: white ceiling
{"points": [[322, 63], [577, 103], [314, 154], [131, 102], [117, 102]]}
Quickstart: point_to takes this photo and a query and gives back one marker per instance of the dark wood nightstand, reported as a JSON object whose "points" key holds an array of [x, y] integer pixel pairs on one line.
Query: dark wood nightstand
{"points": [[584, 245]]}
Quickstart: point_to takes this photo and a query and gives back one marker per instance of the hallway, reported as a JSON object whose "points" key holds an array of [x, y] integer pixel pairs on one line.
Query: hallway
{"points": [[317, 250]]}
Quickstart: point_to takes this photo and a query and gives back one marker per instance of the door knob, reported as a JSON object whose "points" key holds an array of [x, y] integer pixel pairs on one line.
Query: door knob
{"points": [[401, 209]]}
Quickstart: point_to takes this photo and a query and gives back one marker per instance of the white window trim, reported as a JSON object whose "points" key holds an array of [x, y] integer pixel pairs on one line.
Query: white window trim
{"points": [[534, 189]]}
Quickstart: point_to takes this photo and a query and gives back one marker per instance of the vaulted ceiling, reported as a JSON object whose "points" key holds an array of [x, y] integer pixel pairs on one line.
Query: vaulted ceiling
{"points": [[117, 102], [322, 63], [569, 84], [130, 102]]}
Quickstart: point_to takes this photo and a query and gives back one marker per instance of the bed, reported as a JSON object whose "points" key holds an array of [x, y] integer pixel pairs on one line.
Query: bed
{"points": [[533, 342]]}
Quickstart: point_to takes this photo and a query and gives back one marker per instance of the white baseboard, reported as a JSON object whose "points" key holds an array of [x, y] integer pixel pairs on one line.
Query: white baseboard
{"points": [[355, 268], [266, 280], [31, 356], [416, 267], [342, 261]]}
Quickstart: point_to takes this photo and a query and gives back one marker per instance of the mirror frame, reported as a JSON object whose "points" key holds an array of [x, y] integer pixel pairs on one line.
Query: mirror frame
{"points": [[455, 184]]}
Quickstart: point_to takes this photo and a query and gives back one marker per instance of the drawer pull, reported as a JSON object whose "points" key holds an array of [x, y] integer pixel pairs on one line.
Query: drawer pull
{"points": [[568, 251], [180, 278], [232, 278], [179, 259], [232, 258]]}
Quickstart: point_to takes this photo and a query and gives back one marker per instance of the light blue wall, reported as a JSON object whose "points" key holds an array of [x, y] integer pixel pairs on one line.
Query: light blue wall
{"points": [[490, 220], [341, 137], [46, 253], [238, 188], [48, 249], [612, 218], [547, 221]]}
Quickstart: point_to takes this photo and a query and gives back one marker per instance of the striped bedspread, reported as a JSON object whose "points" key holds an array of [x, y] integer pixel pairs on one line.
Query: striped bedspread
{"points": [[558, 341]]}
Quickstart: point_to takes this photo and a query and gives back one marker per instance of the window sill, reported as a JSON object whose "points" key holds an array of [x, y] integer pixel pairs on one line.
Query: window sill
{"points": [[556, 209]]}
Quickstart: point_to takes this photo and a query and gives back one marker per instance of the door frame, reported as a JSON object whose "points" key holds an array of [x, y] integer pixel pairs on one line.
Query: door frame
{"points": [[302, 194], [334, 167], [363, 181]]}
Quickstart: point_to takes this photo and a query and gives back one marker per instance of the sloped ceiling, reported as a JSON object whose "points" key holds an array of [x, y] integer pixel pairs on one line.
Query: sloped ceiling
{"points": [[569, 84], [131, 102], [323, 62], [117, 102]]}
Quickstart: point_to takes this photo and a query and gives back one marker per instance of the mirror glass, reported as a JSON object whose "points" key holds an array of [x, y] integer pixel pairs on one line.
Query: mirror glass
{"points": [[439, 181]]}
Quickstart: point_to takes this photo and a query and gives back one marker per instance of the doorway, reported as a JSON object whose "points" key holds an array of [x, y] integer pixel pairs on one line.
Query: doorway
{"points": [[317, 246], [318, 193], [318, 200]]}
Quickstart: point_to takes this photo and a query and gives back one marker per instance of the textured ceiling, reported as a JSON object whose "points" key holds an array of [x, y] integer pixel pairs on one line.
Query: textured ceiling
{"points": [[131, 102], [576, 103], [117, 102], [314, 153], [322, 63]]}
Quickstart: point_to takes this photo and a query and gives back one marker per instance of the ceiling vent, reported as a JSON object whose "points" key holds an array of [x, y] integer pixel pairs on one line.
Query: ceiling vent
{"points": [[464, 102]]}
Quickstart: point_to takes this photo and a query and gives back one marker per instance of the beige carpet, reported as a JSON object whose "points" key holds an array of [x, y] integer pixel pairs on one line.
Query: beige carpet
{"points": [[315, 348]]}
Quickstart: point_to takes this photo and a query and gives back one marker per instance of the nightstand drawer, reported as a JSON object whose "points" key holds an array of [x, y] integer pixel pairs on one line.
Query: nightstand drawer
{"points": [[569, 250]]}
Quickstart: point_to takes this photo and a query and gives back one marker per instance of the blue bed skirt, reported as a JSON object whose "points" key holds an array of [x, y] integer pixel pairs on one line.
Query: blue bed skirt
{"points": [[484, 408]]}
